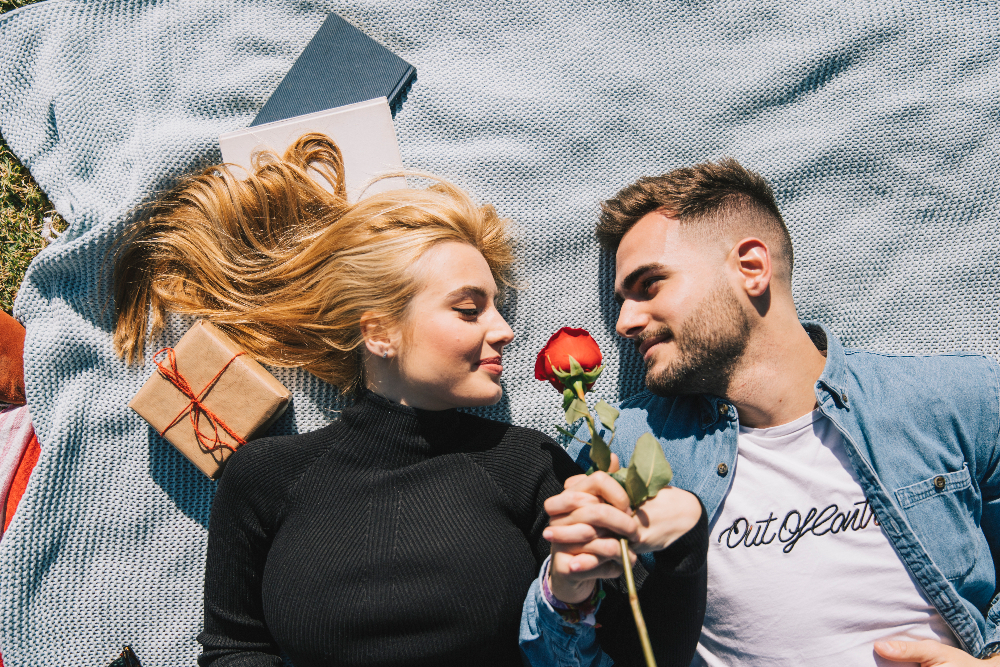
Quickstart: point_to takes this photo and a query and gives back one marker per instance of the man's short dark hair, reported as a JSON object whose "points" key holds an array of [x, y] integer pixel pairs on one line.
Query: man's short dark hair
{"points": [[712, 197]]}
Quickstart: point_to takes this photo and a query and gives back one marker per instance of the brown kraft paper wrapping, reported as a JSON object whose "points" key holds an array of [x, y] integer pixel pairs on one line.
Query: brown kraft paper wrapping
{"points": [[245, 397]]}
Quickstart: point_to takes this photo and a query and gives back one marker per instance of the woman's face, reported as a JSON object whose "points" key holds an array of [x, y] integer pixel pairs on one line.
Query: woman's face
{"points": [[449, 350]]}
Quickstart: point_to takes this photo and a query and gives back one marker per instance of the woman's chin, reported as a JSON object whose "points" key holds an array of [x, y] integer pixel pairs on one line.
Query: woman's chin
{"points": [[485, 398]]}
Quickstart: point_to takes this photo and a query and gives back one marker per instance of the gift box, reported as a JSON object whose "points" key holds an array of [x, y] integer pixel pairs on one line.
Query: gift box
{"points": [[208, 397]]}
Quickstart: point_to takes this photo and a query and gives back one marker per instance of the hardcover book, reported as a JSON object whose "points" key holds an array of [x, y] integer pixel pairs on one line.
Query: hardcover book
{"points": [[363, 132], [341, 65]]}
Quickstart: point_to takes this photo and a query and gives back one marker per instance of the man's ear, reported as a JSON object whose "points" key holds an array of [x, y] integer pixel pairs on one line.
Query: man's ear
{"points": [[753, 260], [378, 334]]}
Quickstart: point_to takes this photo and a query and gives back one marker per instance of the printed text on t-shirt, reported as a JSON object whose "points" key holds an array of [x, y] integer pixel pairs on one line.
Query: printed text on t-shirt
{"points": [[830, 521]]}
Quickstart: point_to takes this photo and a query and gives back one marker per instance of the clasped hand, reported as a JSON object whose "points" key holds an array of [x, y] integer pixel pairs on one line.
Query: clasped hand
{"points": [[587, 519], [929, 653]]}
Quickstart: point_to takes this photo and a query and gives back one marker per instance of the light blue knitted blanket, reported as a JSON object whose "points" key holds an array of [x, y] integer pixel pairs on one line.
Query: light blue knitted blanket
{"points": [[875, 120]]}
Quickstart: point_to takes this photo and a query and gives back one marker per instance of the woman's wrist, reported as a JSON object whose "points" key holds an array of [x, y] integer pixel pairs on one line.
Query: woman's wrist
{"points": [[586, 596], [570, 593]]}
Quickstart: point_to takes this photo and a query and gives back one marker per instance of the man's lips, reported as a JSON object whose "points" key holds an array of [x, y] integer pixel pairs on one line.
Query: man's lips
{"points": [[650, 342], [492, 365]]}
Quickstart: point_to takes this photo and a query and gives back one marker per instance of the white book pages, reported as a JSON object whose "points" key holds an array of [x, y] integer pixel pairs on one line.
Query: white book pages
{"points": [[363, 132]]}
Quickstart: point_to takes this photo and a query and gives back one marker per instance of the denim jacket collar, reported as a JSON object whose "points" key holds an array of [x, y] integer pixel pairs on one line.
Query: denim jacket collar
{"points": [[834, 377]]}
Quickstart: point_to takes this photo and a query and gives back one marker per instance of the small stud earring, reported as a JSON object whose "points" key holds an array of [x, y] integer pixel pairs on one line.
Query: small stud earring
{"points": [[385, 355]]}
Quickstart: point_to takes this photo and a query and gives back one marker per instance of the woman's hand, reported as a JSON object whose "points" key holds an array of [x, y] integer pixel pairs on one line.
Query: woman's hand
{"points": [[585, 523], [929, 653]]}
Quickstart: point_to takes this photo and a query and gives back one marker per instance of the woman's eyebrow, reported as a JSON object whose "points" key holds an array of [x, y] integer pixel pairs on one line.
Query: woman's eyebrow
{"points": [[468, 290]]}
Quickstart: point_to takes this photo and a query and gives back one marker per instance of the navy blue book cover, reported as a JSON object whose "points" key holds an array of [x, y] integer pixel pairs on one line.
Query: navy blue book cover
{"points": [[340, 65]]}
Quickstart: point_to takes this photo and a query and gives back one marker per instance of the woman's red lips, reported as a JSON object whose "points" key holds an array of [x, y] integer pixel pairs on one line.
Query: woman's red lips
{"points": [[493, 365]]}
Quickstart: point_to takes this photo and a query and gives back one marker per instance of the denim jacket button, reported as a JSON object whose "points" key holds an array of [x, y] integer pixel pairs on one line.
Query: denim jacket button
{"points": [[723, 470], [723, 409], [939, 482]]}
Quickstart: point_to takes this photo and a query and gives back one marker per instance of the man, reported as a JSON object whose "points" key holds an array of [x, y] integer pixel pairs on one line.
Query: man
{"points": [[853, 496]]}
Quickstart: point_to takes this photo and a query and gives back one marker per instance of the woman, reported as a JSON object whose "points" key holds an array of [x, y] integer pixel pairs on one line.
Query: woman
{"points": [[406, 532]]}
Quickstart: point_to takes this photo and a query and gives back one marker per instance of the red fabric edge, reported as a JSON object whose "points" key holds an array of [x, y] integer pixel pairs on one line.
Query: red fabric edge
{"points": [[20, 483]]}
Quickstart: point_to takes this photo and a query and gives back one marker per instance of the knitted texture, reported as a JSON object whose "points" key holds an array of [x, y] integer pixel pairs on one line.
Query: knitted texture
{"points": [[404, 537], [392, 538], [875, 120]]}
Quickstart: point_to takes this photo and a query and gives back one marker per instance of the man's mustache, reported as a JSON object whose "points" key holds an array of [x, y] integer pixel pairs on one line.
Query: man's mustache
{"points": [[663, 331]]}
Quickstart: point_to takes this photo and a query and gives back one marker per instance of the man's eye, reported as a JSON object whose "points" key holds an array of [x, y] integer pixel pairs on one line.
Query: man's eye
{"points": [[648, 282]]}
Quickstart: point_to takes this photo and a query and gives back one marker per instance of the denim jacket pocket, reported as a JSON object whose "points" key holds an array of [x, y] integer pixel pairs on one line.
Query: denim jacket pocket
{"points": [[938, 510]]}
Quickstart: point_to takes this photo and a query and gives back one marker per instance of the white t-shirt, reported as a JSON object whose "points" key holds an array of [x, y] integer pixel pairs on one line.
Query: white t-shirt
{"points": [[799, 572]]}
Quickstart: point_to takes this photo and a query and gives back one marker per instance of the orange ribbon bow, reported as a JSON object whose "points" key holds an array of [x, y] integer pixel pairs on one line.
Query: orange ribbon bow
{"points": [[195, 408]]}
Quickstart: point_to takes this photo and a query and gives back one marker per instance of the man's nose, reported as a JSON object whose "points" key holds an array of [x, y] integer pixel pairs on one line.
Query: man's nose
{"points": [[632, 319]]}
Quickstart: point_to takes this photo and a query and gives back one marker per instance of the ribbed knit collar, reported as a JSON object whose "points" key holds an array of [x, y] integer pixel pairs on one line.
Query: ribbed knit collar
{"points": [[393, 429]]}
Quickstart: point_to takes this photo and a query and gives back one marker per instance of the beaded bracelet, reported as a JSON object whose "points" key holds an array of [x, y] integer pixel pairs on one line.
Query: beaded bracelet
{"points": [[580, 612]]}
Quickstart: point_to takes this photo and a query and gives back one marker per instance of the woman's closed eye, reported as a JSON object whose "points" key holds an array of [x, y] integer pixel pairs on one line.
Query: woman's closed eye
{"points": [[467, 312]]}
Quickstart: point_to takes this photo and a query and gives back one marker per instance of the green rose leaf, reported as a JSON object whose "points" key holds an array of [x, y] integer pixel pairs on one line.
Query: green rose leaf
{"points": [[648, 471], [568, 434], [606, 414], [577, 410], [600, 453], [635, 487], [591, 377], [567, 398], [620, 475], [574, 367]]}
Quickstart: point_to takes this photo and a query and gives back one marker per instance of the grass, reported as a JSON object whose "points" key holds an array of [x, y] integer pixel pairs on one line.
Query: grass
{"points": [[7, 5], [23, 207]]}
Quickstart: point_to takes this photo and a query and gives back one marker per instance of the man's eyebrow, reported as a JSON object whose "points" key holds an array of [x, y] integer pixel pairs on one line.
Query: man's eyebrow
{"points": [[634, 276], [468, 290]]}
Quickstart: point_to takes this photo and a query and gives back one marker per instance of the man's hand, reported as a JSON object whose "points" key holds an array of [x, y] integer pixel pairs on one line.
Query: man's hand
{"points": [[665, 518], [577, 518], [587, 520], [929, 653]]}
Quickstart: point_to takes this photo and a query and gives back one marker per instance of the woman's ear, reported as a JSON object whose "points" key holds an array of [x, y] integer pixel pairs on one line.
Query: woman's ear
{"points": [[379, 337]]}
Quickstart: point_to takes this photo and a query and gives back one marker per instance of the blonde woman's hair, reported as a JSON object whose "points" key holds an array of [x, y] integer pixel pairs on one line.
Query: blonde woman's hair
{"points": [[285, 267]]}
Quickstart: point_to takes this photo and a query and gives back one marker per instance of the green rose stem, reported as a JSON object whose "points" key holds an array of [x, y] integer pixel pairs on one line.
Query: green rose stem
{"points": [[633, 599], [647, 473]]}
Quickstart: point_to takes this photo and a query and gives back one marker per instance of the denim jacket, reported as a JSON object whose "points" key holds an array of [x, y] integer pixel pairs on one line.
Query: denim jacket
{"points": [[923, 435]]}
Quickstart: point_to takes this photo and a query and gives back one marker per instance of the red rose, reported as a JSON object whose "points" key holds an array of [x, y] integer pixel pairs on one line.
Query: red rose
{"points": [[565, 343]]}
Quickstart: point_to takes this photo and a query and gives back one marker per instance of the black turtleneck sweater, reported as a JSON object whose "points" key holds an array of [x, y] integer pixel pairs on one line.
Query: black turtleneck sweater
{"points": [[397, 536]]}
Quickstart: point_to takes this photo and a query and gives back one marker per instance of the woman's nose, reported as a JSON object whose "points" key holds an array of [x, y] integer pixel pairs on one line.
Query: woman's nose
{"points": [[500, 332]]}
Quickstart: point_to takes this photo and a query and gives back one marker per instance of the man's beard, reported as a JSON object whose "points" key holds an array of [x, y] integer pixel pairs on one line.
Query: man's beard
{"points": [[710, 345]]}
